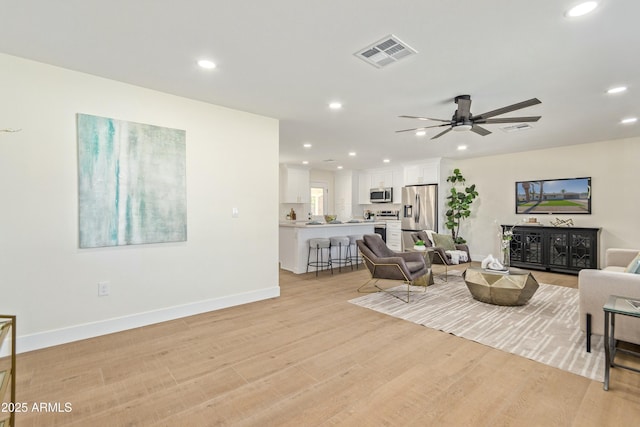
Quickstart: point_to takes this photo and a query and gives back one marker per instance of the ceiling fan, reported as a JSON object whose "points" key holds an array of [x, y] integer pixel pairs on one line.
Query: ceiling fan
{"points": [[463, 119]]}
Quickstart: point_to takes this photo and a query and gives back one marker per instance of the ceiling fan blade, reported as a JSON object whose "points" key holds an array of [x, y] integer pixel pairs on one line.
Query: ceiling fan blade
{"points": [[509, 120], [480, 130], [441, 133], [423, 128], [507, 109], [425, 118]]}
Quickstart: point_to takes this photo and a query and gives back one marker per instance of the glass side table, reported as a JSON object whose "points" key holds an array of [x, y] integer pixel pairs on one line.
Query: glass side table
{"points": [[625, 307]]}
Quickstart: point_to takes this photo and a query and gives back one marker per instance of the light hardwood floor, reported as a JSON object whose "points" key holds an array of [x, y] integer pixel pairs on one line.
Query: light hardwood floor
{"points": [[310, 358]]}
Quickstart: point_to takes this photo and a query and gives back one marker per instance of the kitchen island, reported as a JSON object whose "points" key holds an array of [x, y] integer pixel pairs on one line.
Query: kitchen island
{"points": [[294, 238]]}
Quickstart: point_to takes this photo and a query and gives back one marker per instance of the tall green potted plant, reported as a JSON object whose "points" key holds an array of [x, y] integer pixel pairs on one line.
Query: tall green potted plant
{"points": [[459, 204]]}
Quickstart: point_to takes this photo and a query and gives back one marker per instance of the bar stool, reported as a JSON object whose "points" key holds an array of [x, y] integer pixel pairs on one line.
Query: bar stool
{"points": [[319, 244], [341, 242], [352, 242]]}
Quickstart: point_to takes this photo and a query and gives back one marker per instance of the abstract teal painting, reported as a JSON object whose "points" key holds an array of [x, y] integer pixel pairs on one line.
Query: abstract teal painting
{"points": [[132, 183]]}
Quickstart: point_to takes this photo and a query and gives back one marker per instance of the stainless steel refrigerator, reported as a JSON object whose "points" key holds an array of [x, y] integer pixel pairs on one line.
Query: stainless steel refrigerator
{"points": [[419, 210]]}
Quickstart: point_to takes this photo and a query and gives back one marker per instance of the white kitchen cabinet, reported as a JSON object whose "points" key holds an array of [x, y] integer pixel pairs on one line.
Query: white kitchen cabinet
{"points": [[382, 179], [294, 185], [427, 172], [364, 185], [398, 183], [343, 195], [394, 235]]}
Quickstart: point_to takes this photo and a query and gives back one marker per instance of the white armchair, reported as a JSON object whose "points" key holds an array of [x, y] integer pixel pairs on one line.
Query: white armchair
{"points": [[595, 286]]}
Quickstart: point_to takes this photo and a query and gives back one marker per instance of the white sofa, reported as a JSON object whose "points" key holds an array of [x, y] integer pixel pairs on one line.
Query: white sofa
{"points": [[595, 286]]}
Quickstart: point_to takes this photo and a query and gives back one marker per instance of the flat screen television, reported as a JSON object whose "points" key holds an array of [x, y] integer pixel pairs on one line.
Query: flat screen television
{"points": [[554, 196]]}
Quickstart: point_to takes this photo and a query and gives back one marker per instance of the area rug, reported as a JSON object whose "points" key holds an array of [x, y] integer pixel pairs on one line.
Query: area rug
{"points": [[546, 329]]}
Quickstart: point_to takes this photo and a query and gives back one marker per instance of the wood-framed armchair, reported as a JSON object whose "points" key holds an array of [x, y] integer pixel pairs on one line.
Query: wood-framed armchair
{"points": [[385, 264]]}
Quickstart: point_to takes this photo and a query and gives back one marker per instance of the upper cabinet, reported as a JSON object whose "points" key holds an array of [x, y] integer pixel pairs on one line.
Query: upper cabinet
{"points": [[364, 185], [379, 179], [343, 195], [425, 172], [294, 185], [382, 179]]}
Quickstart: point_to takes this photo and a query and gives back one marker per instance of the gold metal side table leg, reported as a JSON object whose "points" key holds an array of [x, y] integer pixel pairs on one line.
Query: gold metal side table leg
{"points": [[444, 263]]}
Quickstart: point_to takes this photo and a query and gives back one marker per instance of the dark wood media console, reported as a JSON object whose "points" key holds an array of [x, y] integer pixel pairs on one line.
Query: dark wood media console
{"points": [[559, 249]]}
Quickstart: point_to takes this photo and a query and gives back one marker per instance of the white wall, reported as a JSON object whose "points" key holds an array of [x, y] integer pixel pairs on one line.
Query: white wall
{"points": [[51, 285], [612, 165]]}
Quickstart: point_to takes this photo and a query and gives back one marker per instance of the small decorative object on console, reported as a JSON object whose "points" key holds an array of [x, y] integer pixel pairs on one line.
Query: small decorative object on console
{"points": [[560, 222]]}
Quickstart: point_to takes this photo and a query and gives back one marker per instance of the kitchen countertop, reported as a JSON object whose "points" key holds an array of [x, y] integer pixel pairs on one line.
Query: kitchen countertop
{"points": [[293, 238], [344, 224]]}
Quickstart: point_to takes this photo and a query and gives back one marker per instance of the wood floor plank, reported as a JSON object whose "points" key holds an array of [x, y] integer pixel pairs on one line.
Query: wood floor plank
{"points": [[310, 357]]}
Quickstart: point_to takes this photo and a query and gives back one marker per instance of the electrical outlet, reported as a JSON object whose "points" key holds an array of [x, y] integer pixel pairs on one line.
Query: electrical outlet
{"points": [[104, 288]]}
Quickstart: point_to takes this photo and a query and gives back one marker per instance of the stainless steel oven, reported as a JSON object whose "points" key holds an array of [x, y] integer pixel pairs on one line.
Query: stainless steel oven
{"points": [[381, 222], [381, 229]]}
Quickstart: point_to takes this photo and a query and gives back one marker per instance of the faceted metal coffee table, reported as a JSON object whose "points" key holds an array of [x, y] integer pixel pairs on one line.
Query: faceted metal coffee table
{"points": [[513, 288]]}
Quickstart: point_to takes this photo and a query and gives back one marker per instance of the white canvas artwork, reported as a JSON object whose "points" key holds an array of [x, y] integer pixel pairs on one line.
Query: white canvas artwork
{"points": [[132, 183]]}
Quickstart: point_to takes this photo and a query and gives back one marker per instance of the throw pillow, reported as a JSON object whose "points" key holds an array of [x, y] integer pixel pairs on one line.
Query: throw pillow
{"points": [[422, 235], [444, 241], [430, 234], [634, 266]]}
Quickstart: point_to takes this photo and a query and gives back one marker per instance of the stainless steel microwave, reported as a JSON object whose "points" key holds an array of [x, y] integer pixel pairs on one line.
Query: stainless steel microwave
{"points": [[381, 195]]}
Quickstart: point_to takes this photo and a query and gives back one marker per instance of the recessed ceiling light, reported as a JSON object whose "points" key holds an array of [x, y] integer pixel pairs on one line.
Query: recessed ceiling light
{"points": [[629, 120], [582, 9], [339, 167], [305, 162], [352, 153], [462, 147], [335, 105], [206, 64], [421, 133], [618, 89], [386, 161], [307, 145]]}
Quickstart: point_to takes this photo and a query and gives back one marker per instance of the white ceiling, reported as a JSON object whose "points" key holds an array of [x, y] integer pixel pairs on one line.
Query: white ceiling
{"points": [[288, 59]]}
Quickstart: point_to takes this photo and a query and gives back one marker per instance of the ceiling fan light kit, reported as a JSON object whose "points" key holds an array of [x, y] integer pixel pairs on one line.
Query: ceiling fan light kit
{"points": [[462, 127], [463, 120]]}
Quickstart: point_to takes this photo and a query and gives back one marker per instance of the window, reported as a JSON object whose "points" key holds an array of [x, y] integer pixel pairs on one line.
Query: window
{"points": [[319, 198], [317, 201]]}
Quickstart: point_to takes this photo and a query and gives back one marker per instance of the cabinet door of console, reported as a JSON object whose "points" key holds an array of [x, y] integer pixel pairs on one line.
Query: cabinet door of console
{"points": [[582, 249], [558, 248], [526, 246]]}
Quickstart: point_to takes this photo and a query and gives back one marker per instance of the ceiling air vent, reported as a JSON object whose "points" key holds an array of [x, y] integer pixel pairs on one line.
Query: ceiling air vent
{"points": [[516, 128], [386, 51]]}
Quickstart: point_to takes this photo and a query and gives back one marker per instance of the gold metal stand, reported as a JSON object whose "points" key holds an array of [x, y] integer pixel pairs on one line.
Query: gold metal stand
{"points": [[373, 281]]}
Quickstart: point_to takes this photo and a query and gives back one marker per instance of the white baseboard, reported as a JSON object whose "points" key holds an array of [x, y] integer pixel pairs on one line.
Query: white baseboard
{"points": [[89, 330]]}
